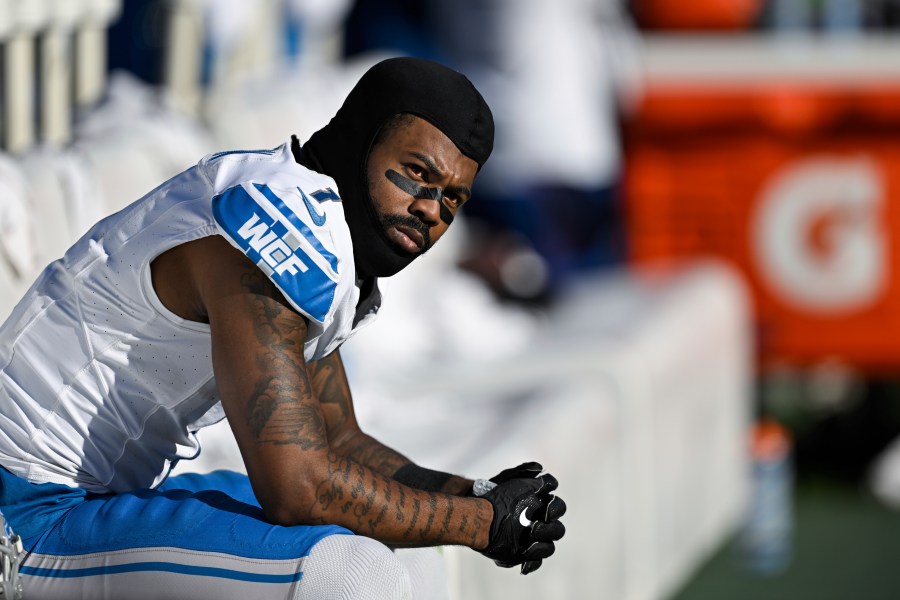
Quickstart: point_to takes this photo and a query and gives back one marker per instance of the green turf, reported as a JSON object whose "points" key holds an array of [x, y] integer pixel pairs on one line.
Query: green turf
{"points": [[846, 547]]}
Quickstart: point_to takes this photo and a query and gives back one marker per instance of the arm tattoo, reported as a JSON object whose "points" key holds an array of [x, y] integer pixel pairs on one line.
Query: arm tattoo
{"points": [[292, 403], [445, 525], [417, 506], [401, 504], [432, 505], [369, 498], [280, 408], [373, 524], [376, 456], [276, 417], [330, 383]]}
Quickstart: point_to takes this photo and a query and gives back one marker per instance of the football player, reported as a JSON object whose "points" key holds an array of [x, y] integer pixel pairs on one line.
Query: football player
{"points": [[227, 292]]}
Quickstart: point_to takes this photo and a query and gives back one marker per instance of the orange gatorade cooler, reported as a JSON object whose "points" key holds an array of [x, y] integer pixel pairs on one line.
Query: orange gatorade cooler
{"points": [[784, 159]]}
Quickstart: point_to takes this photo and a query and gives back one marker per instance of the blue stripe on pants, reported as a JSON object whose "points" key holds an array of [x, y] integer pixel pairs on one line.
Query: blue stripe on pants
{"points": [[197, 536], [165, 567]]}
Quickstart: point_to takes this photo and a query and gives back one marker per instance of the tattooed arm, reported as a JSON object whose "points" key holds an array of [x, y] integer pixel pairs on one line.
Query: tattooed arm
{"points": [[329, 381], [304, 464]]}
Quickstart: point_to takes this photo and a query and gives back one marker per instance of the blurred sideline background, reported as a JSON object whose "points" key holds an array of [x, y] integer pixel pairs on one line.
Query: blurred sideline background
{"points": [[676, 285]]}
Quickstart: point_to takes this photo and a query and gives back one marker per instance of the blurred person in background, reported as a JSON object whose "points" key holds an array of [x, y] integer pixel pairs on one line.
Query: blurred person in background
{"points": [[558, 74], [227, 292]]}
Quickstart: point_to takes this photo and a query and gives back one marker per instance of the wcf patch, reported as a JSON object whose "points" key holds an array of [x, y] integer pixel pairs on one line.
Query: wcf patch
{"points": [[259, 222]]}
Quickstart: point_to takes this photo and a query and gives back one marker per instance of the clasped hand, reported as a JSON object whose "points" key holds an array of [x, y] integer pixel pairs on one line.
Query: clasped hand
{"points": [[526, 517]]}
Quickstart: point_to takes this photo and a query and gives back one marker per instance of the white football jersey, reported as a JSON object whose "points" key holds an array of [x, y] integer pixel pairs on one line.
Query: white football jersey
{"points": [[101, 386]]}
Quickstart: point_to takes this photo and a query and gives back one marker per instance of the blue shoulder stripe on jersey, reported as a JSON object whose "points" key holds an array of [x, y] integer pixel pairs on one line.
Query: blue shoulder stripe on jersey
{"points": [[227, 152], [268, 243], [326, 194], [166, 567], [290, 216]]}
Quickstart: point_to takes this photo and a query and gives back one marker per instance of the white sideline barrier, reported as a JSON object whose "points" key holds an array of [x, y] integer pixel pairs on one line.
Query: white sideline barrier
{"points": [[126, 168], [47, 200], [64, 198], [263, 112], [134, 142], [638, 401], [82, 198], [243, 117], [19, 260]]}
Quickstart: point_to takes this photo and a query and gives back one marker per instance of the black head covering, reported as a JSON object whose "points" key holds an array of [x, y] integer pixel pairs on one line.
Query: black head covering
{"points": [[441, 96]]}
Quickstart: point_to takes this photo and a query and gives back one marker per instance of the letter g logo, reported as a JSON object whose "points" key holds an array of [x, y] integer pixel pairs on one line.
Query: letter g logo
{"points": [[817, 235]]}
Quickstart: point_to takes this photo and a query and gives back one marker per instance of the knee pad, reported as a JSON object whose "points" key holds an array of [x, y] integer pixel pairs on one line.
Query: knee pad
{"points": [[353, 567], [427, 569]]}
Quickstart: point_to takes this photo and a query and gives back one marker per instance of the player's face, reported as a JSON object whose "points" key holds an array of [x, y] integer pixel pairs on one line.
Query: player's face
{"points": [[418, 179]]}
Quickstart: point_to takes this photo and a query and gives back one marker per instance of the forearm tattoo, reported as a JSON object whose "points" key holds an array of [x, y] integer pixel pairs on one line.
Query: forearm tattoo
{"points": [[330, 384], [290, 404], [375, 455], [377, 506]]}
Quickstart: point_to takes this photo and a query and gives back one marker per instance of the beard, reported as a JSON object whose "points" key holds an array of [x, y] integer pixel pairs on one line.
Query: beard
{"points": [[374, 253], [388, 221]]}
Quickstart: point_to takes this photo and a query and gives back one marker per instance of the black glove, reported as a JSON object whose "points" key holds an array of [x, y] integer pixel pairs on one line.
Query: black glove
{"points": [[526, 519], [552, 509], [528, 470]]}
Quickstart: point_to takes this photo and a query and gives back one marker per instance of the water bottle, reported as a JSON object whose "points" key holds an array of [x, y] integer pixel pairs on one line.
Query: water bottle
{"points": [[766, 542]]}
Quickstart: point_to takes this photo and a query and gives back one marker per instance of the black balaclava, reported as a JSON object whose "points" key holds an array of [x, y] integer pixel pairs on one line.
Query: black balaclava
{"points": [[441, 96]]}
